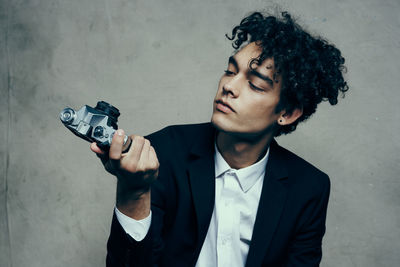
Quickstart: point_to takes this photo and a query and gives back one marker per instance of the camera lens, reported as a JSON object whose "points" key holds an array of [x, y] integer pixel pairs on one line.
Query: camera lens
{"points": [[108, 109], [67, 116]]}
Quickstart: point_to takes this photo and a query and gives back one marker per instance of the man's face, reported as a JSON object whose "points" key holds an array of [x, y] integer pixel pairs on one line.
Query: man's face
{"points": [[247, 97]]}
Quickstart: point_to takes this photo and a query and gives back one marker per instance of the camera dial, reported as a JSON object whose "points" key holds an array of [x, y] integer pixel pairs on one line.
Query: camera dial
{"points": [[67, 116], [98, 131]]}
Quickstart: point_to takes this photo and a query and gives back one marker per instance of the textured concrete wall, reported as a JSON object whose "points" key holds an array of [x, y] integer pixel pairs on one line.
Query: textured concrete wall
{"points": [[4, 130], [159, 63]]}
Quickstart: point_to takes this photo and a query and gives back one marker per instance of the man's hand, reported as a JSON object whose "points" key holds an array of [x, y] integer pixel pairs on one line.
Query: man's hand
{"points": [[136, 170]]}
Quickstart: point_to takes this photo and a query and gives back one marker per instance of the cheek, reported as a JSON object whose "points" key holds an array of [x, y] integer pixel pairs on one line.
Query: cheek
{"points": [[261, 110]]}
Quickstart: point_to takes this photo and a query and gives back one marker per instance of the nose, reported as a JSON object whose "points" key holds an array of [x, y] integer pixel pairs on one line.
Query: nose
{"points": [[231, 87]]}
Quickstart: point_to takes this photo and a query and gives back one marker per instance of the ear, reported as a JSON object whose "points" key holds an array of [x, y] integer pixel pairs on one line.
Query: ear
{"points": [[289, 118]]}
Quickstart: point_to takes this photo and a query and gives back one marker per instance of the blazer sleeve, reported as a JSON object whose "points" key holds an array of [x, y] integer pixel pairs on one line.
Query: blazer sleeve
{"points": [[306, 246], [122, 249]]}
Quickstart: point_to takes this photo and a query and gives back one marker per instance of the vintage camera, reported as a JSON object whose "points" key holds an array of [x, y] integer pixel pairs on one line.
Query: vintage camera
{"points": [[94, 124]]}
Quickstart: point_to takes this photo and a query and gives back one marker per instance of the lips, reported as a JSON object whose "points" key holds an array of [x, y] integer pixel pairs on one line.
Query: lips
{"points": [[224, 106]]}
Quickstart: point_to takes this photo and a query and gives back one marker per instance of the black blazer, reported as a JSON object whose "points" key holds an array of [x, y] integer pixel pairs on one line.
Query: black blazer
{"points": [[290, 220]]}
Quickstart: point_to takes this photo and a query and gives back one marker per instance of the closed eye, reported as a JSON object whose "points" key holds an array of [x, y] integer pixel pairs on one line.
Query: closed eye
{"points": [[255, 87], [228, 72]]}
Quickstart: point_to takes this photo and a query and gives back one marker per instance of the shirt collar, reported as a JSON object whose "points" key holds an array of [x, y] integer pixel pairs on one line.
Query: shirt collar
{"points": [[247, 176]]}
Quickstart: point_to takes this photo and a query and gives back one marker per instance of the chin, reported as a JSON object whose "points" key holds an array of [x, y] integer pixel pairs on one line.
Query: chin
{"points": [[215, 123], [219, 123], [239, 131], [223, 125]]}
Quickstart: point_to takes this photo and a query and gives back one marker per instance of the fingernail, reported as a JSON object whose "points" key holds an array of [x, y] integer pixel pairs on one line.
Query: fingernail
{"points": [[120, 132]]}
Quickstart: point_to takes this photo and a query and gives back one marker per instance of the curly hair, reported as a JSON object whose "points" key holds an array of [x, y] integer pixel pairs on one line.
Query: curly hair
{"points": [[311, 68]]}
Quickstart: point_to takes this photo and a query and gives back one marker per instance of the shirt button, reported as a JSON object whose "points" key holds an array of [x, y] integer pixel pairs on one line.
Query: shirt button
{"points": [[225, 241]]}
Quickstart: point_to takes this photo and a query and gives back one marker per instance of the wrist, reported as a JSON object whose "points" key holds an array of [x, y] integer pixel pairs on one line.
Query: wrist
{"points": [[135, 206]]}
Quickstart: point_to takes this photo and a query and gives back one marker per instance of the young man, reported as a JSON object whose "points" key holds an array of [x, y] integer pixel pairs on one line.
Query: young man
{"points": [[225, 193]]}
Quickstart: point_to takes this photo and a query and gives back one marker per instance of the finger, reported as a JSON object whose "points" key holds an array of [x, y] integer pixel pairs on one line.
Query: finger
{"points": [[132, 158], [116, 145], [102, 155], [144, 156], [96, 149], [153, 158]]}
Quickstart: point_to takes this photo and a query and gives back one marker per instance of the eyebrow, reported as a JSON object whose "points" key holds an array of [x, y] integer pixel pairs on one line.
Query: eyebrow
{"points": [[233, 61]]}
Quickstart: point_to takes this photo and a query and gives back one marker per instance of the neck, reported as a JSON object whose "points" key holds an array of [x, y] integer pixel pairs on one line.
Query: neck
{"points": [[242, 152]]}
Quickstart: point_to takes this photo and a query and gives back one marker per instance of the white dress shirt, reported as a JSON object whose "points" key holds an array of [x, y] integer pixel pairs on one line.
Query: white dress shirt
{"points": [[237, 194]]}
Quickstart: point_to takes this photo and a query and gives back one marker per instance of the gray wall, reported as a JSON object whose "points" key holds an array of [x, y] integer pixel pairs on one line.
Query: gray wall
{"points": [[159, 62]]}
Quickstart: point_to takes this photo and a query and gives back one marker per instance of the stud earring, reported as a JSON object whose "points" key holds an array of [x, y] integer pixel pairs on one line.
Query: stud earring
{"points": [[280, 120]]}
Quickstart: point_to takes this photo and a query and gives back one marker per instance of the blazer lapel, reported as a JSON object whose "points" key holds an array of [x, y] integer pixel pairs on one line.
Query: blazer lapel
{"points": [[201, 172], [272, 202]]}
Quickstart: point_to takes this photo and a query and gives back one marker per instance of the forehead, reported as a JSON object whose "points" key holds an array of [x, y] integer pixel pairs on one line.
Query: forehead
{"points": [[252, 51]]}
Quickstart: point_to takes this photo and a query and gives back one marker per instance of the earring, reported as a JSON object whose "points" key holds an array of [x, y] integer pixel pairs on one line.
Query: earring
{"points": [[280, 120]]}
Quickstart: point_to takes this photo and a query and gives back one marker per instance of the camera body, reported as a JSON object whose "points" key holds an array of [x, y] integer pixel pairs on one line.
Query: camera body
{"points": [[96, 124]]}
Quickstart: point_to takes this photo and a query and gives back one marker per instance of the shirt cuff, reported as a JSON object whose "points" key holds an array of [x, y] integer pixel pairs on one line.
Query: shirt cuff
{"points": [[136, 229]]}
